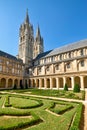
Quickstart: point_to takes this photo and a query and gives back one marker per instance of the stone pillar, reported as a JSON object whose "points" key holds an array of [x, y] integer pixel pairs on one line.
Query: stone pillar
{"points": [[64, 81], [51, 84], [82, 82], [57, 83], [45, 83], [72, 82]]}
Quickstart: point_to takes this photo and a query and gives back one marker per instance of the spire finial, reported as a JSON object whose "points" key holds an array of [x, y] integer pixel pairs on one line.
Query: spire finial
{"points": [[38, 31], [27, 17]]}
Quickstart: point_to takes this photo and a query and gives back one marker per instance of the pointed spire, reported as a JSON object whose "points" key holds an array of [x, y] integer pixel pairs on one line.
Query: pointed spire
{"points": [[27, 17], [38, 31]]}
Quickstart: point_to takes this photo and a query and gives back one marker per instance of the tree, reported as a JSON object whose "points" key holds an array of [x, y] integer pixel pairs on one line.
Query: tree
{"points": [[65, 87], [26, 86], [76, 88], [15, 86]]}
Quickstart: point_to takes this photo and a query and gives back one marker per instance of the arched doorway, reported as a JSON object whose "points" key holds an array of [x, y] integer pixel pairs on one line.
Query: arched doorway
{"points": [[54, 83], [60, 82], [16, 82], [10, 83], [85, 81], [37, 83], [42, 83], [48, 83], [3, 83], [68, 82], [77, 80], [29, 82]]}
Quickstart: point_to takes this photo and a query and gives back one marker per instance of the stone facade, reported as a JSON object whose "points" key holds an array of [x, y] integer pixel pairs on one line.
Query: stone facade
{"points": [[11, 71], [54, 68]]}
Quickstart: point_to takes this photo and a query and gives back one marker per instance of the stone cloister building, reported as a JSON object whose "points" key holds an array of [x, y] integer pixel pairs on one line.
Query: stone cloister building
{"points": [[43, 70], [54, 68]]}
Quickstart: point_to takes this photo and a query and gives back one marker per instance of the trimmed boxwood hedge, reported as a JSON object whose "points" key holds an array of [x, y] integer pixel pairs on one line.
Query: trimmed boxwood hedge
{"points": [[35, 120], [62, 110], [7, 102], [77, 118]]}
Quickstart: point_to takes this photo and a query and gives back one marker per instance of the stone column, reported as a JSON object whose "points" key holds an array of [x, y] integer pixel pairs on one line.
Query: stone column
{"points": [[72, 82], [6, 83], [64, 81], [51, 84], [57, 83], [82, 82], [45, 83]]}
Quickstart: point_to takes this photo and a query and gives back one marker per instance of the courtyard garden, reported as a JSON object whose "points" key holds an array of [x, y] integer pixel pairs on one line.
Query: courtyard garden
{"points": [[19, 110]]}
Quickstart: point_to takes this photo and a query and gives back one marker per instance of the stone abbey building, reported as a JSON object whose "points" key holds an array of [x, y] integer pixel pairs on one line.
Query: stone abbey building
{"points": [[43, 70]]}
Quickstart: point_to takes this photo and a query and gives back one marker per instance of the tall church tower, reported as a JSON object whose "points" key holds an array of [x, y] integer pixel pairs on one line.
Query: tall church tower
{"points": [[38, 43], [26, 41]]}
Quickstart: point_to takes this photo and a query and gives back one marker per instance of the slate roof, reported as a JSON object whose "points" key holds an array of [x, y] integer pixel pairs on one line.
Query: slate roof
{"points": [[43, 55], [63, 49], [4, 54]]}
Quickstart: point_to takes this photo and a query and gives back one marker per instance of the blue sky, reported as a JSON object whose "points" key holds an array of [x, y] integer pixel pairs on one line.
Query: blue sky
{"points": [[61, 21]]}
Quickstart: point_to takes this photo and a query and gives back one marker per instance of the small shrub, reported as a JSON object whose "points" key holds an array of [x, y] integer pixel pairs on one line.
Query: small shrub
{"points": [[65, 87], [15, 86], [21, 86], [26, 86], [76, 88]]}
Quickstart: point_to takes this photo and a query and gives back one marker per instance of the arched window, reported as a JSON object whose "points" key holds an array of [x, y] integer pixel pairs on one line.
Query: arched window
{"points": [[60, 57], [81, 52], [68, 65], [57, 67], [82, 63], [69, 55]]}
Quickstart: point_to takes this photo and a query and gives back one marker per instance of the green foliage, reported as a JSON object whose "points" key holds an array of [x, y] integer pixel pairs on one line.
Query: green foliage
{"points": [[65, 87], [60, 108], [36, 114], [77, 118], [7, 102], [17, 123], [76, 88], [15, 86], [26, 86], [83, 95]]}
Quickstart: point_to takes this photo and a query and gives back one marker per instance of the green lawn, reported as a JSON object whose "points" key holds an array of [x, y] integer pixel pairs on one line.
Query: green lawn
{"points": [[31, 113]]}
